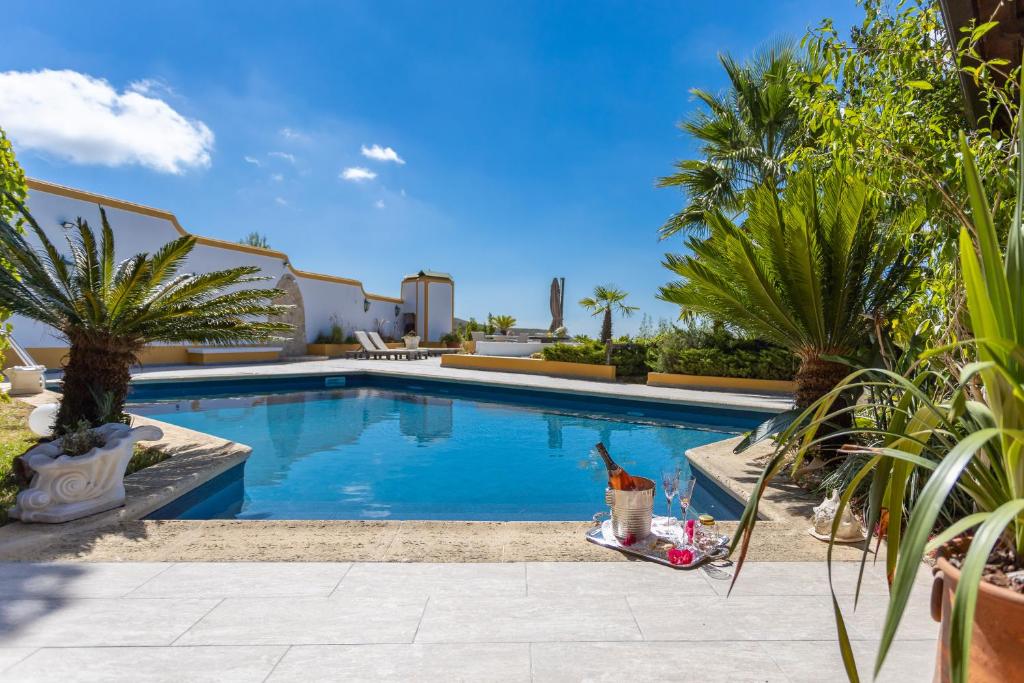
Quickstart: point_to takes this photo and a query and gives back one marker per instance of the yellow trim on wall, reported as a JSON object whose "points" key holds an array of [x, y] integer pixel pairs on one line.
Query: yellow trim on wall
{"points": [[239, 356], [529, 366], [82, 195], [53, 357], [664, 379]]}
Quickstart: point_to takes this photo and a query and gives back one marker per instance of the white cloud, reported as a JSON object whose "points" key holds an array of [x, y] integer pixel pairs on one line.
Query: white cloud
{"points": [[281, 201], [292, 134], [253, 160], [151, 86], [379, 204], [357, 174], [378, 153], [277, 177], [86, 121], [290, 158]]}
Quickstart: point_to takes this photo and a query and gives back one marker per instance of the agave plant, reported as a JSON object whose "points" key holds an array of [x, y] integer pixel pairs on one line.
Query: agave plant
{"points": [[109, 309], [809, 270], [964, 433]]}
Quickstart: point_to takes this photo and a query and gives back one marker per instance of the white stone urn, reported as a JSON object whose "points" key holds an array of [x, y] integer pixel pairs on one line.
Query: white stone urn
{"points": [[412, 341], [66, 487]]}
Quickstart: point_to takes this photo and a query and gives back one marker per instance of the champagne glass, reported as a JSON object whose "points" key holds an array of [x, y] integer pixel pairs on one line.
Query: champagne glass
{"points": [[670, 487], [686, 494]]}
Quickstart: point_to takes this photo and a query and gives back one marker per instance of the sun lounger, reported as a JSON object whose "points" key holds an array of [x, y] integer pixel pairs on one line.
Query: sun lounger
{"points": [[370, 350]]}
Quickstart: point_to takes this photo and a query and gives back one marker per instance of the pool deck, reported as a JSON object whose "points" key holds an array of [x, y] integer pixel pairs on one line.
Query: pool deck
{"points": [[114, 598], [519, 621], [431, 369]]}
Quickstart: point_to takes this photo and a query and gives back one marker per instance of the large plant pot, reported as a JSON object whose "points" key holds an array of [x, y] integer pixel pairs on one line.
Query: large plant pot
{"points": [[67, 487], [411, 342], [997, 644]]}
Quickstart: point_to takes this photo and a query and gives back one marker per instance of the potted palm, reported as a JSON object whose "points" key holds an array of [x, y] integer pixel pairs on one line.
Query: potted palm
{"points": [[108, 310], [962, 435], [503, 323]]}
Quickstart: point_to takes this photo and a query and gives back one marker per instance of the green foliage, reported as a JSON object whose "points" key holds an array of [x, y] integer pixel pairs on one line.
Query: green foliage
{"points": [[809, 270], [503, 323], [744, 134], [80, 438], [632, 358], [960, 429], [450, 338], [584, 350], [15, 439], [335, 334], [606, 300], [255, 239], [888, 99], [12, 187], [715, 352], [108, 309]]}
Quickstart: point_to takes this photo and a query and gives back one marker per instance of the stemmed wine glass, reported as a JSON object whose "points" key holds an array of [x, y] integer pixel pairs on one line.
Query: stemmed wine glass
{"points": [[670, 487], [685, 494]]}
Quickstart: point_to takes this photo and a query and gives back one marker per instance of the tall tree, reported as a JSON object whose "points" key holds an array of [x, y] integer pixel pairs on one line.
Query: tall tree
{"points": [[608, 299], [744, 135], [108, 309], [813, 269], [12, 184]]}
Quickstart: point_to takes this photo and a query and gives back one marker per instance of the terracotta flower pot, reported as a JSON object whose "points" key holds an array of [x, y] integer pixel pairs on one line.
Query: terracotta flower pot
{"points": [[997, 645]]}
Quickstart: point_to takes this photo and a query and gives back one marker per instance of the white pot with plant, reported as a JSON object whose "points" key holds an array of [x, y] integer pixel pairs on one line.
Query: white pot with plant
{"points": [[412, 340], [79, 474]]}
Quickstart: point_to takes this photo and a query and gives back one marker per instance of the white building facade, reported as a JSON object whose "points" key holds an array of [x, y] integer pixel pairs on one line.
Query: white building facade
{"points": [[426, 301]]}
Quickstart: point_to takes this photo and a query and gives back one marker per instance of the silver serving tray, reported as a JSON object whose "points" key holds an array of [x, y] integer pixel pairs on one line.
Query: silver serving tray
{"points": [[654, 548]]}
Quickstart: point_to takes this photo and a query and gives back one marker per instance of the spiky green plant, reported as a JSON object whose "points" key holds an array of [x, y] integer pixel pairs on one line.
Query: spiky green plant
{"points": [[109, 309], [503, 323], [810, 270], [965, 433], [606, 300]]}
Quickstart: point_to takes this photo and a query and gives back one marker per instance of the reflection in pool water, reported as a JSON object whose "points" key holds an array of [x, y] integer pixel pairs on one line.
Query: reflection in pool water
{"points": [[372, 453]]}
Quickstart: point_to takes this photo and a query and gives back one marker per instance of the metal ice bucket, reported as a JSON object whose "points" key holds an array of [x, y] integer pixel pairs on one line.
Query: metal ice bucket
{"points": [[632, 510]]}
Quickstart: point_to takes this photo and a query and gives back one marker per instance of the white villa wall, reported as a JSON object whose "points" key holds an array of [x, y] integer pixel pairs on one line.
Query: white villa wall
{"points": [[439, 310], [138, 229]]}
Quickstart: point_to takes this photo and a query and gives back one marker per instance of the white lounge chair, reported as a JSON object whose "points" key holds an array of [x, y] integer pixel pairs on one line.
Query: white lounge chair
{"points": [[370, 350]]}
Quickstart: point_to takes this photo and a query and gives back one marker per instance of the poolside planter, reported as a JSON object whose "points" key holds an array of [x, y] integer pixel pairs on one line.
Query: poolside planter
{"points": [[997, 645], [66, 487], [530, 366], [765, 386], [411, 342], [331, 350]]}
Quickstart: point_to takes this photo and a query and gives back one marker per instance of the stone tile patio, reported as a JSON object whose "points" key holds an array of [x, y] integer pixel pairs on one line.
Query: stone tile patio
{"points": [[486, 621]]}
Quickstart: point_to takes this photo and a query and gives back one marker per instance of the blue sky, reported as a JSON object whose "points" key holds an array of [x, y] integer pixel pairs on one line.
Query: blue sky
{"points": [[530, 134]]}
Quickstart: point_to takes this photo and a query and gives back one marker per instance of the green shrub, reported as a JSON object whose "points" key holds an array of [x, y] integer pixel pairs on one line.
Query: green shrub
{"points": [[584, 351], [632, 359], [713, 351]]}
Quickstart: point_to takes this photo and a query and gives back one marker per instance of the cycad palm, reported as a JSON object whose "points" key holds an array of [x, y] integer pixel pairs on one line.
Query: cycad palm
{"points": [[812, 270], [108, 310], [607, 299], [744, 134]]}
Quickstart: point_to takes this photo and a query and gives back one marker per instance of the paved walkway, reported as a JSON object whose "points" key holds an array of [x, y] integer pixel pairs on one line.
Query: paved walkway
{"points": [[489, 621], [431, 369]]}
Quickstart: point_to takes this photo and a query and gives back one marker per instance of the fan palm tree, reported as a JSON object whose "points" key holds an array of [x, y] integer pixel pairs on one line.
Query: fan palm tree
{"points": [[108, 310], [503, 323], [744, 134], [607, 299], [814, 269]]}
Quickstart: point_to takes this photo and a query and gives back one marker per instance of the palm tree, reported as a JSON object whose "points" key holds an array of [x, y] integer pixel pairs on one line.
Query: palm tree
{"points": [[606, 299], [108, 310], [503, 323], [815, 270], [745, 135]]}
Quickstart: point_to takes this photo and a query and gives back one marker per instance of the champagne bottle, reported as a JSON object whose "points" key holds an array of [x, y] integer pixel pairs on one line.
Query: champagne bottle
{"points": [[618, 478]]}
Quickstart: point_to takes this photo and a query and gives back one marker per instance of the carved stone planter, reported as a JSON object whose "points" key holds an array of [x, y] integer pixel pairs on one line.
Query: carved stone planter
{"points": [[411, 342], [67, 487]]}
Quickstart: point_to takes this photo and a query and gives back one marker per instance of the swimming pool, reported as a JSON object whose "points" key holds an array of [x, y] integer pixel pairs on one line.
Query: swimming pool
{"points": [[373, 447]]}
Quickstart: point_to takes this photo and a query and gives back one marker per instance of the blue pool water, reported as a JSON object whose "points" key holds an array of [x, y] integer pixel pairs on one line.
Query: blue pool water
{"points": [[386, 449]]}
